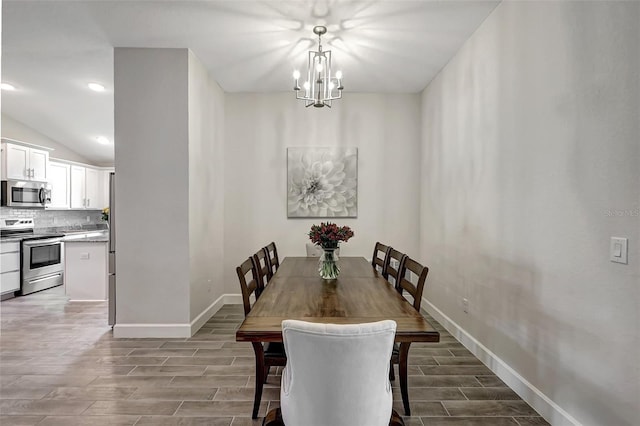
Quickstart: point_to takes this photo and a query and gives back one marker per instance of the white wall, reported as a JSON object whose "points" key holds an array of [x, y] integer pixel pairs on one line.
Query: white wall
{"points": [[152, 187], [14, 129], [530, 163], [206, 193], [259, 127]]}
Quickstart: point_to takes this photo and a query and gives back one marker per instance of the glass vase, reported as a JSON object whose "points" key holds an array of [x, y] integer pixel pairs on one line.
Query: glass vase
{"points": [[328, 264]]}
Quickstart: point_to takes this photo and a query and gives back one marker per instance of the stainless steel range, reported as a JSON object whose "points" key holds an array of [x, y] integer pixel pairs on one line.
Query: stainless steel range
{"points": [[42, 255]]}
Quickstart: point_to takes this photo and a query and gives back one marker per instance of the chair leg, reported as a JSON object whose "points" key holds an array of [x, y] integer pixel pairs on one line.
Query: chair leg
{"points": [[392, 374], [274, 418], [396, 420], [266, 373]]}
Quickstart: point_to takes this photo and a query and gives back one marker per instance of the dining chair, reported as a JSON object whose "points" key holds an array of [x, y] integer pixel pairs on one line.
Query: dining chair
{"points": [[416, 274], [272, 257], [274, 354], [393, 265], [262, 268], [336, 375], [380, 253]]}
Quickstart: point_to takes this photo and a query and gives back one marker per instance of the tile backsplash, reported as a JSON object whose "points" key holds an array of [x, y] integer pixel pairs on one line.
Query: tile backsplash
{"points": [[69, 219]]}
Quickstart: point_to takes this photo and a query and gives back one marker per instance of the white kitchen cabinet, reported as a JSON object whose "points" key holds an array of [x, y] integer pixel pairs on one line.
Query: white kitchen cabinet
{"points": [[86, 270], [86, 191], [9, 267], [78, 188], [60, 180], [21, 162]]}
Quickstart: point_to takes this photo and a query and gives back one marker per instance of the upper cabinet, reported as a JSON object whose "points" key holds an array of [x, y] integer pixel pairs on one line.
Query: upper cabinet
{"points": [[60, 180], [21, 162], [87, 189]]}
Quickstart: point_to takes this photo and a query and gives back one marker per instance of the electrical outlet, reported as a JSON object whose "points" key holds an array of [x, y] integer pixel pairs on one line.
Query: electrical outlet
{"points": [[465, 305]]}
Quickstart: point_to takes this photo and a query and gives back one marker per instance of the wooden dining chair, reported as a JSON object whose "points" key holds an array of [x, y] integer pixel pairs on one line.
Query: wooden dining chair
{"points": [[412, 279], [262, 268], [273, 352], [351, 359], [379, 258], [272, 257], [248, 283], [393, 265]]}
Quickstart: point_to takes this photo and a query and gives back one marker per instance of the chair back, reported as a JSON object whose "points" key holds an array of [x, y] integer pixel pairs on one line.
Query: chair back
{"points": [[248, 284], [262, 268], [337, 375], [418, 275], [314, 250], [272, 257], [379, 258], [393, 265]]}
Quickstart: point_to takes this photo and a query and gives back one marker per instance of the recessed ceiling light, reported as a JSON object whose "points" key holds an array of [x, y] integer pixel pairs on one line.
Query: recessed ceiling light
{"points": [[102, 140], [7, 86], [96, 87]]}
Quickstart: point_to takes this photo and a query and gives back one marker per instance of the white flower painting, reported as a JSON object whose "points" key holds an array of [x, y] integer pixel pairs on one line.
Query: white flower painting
{"points": [[322, 182]]}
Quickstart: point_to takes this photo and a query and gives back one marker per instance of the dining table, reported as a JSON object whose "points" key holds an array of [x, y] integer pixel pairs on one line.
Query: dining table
{"points": [[359, 295]]}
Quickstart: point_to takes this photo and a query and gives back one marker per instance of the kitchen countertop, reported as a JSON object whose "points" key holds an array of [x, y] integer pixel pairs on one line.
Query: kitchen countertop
{"points": [[87, 237], [11, 239]]}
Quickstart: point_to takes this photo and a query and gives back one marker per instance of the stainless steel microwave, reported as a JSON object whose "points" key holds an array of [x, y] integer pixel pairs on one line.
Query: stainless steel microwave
{"points": [[16, 193]]}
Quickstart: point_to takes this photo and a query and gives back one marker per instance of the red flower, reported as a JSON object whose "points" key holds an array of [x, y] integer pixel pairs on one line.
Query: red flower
{"points": [[328, 234]]}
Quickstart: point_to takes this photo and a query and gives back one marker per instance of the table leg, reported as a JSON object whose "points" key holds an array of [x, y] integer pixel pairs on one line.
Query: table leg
{"points": [[259, 352], [402, 370]]}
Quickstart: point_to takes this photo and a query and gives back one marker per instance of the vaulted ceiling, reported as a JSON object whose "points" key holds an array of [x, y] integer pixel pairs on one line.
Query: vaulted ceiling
{"points": [[51, 49]]}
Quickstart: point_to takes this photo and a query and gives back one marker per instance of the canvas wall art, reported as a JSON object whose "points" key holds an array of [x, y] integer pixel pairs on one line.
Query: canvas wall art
{"points": [[322, 182]]}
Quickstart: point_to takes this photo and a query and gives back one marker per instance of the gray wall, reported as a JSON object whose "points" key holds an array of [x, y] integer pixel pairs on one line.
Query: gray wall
{"points": [[152, 186], [529, 165], [14, 129], [259, 127], [206, 193]]}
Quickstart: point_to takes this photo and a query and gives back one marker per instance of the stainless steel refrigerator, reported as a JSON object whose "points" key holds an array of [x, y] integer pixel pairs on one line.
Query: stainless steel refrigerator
{"points": [[112, 249]]}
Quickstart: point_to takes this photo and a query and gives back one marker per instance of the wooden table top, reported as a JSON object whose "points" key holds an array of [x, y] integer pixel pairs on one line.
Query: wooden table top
{"points": [[359, 295]]}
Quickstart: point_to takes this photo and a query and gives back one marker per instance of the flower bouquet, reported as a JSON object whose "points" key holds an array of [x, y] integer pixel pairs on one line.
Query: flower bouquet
{"points": [[328, 235], [105, 214]]}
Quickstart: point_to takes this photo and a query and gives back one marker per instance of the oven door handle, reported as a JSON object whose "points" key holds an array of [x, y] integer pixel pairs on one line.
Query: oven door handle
{"points": [[43, 242]]}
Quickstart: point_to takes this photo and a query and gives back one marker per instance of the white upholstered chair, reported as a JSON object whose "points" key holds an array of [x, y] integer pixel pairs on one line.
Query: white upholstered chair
{"points": [[337, 374]]}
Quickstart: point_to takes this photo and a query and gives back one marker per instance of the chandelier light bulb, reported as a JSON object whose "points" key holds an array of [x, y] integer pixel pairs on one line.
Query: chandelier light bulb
{"points": [[319, 67], [339, 75], [331, 86], [296, 74], [306, 85]]}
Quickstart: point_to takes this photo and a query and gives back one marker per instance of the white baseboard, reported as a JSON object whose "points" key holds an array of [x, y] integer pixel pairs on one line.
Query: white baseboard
{"points": [[548, 409], [178, 330], [142, 331]]}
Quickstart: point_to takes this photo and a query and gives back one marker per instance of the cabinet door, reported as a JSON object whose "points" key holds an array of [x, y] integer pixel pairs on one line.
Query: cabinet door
{"points": [[92, 189], [39, 163], [17, 162], [104, 186], [78, 187], [60, 180]]}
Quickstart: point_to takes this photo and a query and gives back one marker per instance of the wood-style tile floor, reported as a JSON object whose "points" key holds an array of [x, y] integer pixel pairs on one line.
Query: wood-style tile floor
{"points": [[60, 365]]}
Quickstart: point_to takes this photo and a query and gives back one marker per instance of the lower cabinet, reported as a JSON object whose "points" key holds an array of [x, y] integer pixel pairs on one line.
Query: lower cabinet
{"points": [[86, 270], [9, 267]]}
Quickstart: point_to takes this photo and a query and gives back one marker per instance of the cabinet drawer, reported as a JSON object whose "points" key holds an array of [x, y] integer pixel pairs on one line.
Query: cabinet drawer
{"points": [[10, 247], [10, 281], [9, 262]]}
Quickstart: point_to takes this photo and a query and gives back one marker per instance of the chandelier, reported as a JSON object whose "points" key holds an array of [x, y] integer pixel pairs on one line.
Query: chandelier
{"points": [[320, 88]]}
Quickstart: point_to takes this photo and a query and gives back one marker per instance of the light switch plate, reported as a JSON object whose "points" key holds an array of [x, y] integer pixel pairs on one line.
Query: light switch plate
{"points": [[618, 250]]}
